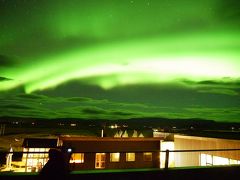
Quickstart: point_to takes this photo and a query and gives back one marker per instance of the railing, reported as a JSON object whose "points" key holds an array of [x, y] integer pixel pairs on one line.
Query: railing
{"points": [[166, 157]]}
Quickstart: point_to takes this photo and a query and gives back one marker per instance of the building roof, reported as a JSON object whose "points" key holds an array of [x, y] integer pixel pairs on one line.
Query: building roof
{"points": [[207, 139], [96, 144], [119, 139], [39, 143]]}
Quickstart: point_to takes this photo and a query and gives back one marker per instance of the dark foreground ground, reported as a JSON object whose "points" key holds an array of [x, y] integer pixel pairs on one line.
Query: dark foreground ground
{"points": [[212, 173]]}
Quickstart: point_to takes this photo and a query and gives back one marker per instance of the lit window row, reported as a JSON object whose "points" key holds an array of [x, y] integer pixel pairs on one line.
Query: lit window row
{"points": [[38, 153], [114, 157]]}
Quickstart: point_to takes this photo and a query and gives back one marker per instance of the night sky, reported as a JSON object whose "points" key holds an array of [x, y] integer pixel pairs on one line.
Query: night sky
{"points": [[120, 59]]}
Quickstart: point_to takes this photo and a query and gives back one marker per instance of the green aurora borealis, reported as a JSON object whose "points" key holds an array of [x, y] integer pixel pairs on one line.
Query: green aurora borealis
{"points": [[119, 59]]}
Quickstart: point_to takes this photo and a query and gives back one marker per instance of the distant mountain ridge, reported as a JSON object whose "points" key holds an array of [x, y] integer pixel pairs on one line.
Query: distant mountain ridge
{"points": [[150, 122]]}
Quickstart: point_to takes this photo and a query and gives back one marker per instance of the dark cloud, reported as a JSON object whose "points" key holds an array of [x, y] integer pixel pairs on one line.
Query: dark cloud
{"points": [[225, 86], [121, 113], [146, 100], [229, 92], [36, 105], [74, 88], [211, 113], [30, 96], [231, 83], [15, 106], [93, 110], [162, 95], [229, 10], [5, 79], [79, 99], [209, 82], [222, 82], [6, 61]]}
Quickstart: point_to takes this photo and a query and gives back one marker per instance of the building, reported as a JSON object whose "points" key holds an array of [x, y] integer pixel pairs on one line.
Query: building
{"points": [[205, 158], [94, 152], [112, 153], [84, 153]]}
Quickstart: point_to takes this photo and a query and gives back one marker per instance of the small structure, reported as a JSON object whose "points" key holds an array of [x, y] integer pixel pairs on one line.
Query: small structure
{"points": [[117, 135], [135, 134], [125, 134]]}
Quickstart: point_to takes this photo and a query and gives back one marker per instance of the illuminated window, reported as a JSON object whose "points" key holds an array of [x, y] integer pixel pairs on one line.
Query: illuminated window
{"points": [[167, 145], [203, 161], [114, 157], [209, 161], [220, 160], [36, 155], [77, 158], [100, 160], [147, 156], [130, 157], [206, 160], [41, 155]]}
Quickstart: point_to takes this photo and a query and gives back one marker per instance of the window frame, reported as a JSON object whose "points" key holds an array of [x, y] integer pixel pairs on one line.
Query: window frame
{"points": [[146, 154], [112, 159], [77, 161], [127, 157]]}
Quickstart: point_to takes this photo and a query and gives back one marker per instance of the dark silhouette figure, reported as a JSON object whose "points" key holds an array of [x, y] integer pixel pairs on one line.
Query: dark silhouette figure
{"points": [[56, 168]]}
